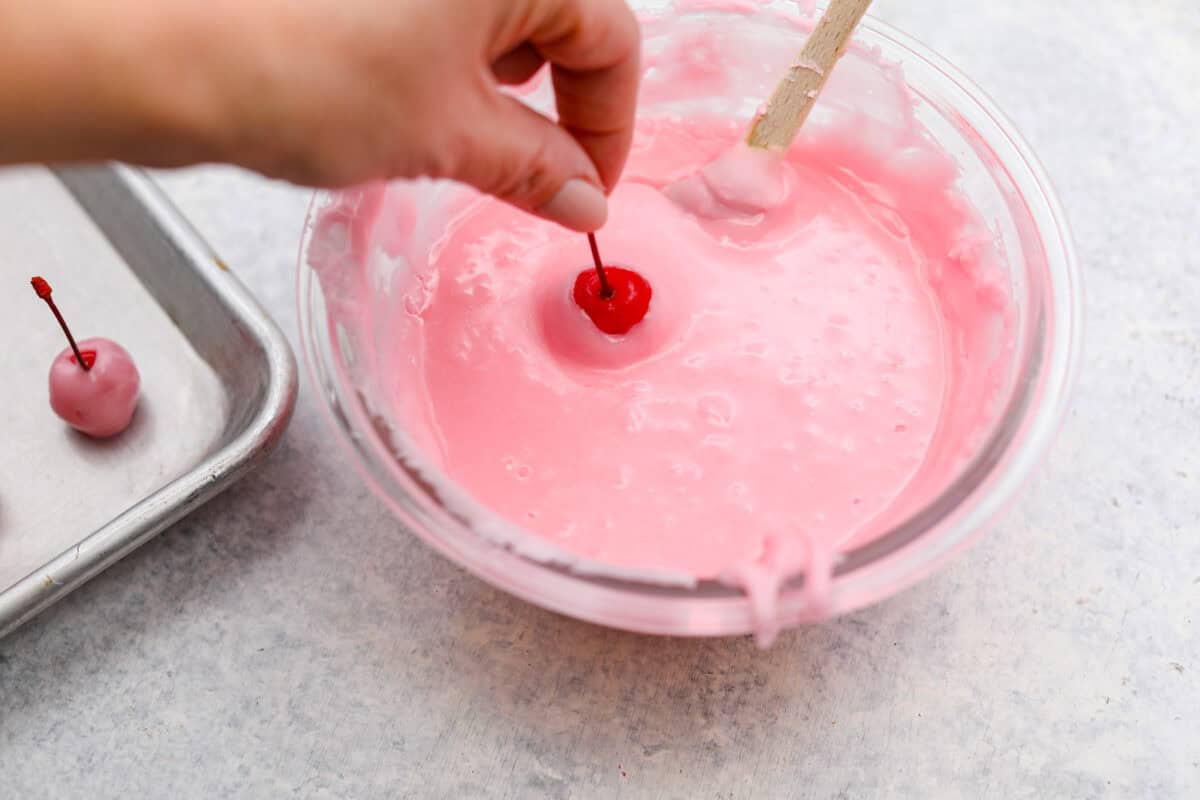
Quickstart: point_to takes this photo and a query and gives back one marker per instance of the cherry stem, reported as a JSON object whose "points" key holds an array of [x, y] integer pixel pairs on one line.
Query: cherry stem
{"points": [[43, 291], [606, 290]]}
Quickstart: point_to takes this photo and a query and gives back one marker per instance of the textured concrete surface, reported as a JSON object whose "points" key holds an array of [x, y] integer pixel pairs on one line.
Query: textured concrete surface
{"points": [[289, 640]]}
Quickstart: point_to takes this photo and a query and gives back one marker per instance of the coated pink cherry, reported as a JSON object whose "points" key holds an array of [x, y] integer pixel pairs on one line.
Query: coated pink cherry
{"points": [[99, 401]]}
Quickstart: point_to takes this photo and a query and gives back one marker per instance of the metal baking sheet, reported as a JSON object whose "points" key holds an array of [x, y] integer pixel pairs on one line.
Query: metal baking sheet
{"points": [[218, 378]]}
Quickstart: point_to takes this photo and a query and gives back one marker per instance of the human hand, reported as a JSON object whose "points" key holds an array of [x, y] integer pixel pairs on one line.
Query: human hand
{"points": [[331, 92]]}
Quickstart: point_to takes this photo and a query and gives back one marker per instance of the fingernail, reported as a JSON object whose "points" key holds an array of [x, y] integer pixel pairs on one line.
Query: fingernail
{"points": [[579, 205]]}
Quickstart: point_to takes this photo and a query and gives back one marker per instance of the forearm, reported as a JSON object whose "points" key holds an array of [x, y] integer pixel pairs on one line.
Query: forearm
{"points": [[89, 80]]}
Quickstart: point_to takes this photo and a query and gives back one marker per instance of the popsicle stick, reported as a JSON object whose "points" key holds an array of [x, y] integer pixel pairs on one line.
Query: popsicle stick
{"points": [[795, 95]]}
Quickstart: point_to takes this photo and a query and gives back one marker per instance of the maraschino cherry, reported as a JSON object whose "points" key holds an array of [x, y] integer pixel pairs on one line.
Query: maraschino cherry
{"points": [[614, 298], [93, 384]]}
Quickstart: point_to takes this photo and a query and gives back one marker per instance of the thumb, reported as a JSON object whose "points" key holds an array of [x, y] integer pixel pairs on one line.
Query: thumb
{"points": [[527, 160]]}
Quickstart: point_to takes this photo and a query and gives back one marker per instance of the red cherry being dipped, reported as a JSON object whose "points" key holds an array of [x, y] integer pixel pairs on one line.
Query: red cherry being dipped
{"points": [[614, 298], [625, 304]]}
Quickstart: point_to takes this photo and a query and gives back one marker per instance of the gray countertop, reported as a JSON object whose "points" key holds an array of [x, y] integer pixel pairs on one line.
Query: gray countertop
{"points": [[290, 640]]}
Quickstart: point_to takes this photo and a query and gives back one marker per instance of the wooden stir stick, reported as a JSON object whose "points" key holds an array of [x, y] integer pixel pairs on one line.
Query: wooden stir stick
{"points": [[795, 95], [777, 126]]}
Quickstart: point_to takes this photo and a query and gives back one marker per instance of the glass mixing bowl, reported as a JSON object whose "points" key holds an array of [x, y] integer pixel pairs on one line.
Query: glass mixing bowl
{"points": [[999, 175]]}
